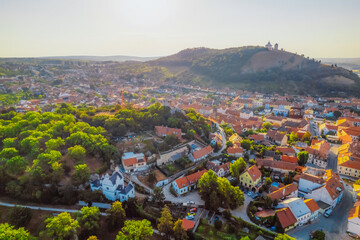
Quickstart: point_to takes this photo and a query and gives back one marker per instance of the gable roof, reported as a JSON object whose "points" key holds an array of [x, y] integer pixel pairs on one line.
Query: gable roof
{"points": [[312, 205], [276, 164], [254, 172], [289, 159], [202, 152], [190, 179], [286, 217], [283, 192]]}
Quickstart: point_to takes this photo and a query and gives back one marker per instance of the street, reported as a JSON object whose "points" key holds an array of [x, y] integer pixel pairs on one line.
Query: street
{"points": [[333, 157], [334, 227]]}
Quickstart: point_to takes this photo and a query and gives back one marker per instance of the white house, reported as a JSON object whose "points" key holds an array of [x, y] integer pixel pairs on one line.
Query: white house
{"points": [[221, 170], [134, 162], [187, 183], [314, 208], [298, 207], [113, 187], [328, 188]]}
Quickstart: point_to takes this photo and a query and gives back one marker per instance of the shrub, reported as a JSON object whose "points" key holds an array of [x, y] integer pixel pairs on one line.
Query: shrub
{"points": [[211, 233], [200, 229]]}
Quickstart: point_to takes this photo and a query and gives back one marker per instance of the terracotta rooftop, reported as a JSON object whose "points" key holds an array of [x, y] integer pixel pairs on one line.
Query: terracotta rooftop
{"points": [[312, 205], [283, 192], [286, 217], [202, 152]]}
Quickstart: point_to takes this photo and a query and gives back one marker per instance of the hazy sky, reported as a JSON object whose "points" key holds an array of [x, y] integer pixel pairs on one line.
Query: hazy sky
{"points": [[316, 28]]}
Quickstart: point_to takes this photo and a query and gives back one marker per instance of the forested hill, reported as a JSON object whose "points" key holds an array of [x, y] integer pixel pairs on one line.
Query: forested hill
{"points": [[257, 69]]}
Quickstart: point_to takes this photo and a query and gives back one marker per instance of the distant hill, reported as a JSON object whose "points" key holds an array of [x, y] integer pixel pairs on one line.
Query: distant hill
{"points": [[349, 63], [117, 58], [256, 69]]}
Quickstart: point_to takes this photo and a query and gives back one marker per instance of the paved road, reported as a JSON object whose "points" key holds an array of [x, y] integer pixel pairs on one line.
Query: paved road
{"points": [[334, 227], [333, 157], [241, 211], [42, 208], [191, 196]]}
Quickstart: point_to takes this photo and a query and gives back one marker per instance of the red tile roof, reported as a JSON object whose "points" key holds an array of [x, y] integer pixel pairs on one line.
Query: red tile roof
{"points": [[289, 159], [286, 218], [190, 179], [312, 205], [202, 152], [283, 192], [187, 224], [130, 162], [254, 172]]}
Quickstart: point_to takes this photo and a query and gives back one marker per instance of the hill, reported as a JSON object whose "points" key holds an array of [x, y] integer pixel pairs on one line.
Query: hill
{"points": [[256, 69], [116, 58]]}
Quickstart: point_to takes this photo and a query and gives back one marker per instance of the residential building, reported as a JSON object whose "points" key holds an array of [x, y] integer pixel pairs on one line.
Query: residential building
{"points": [[298, 207], [187, 183], [286, 218], [288, 191], [201, 154], [134, 162], [162, 131], [113, 187], [314, 208], [235, 151], [251, 178], [354, 219], [277, 137], [220, 169]]}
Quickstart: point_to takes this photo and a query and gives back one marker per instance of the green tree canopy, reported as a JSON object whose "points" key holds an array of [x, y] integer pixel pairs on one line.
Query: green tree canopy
{"points": [[166, 222], [135, 230], [179, 231], [237, 167], [116, 215], [303, 157], [81, 175], [8, 232], [88, 218], [62, 226], [77, 153]]}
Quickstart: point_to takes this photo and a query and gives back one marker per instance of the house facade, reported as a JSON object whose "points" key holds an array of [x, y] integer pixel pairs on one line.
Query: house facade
{"points": [[113, 187], [134, 162], [187, 183], [251, 178]]}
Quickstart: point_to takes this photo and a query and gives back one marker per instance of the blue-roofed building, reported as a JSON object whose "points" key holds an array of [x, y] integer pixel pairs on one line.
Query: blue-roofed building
{"points": [[113, 187]]}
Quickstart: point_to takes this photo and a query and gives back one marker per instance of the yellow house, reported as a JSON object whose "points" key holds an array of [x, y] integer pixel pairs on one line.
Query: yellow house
{"points": [[235, 138], [251, 178]]}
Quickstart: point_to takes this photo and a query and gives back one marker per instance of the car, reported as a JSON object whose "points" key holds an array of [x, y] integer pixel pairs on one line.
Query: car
{"points": [[191, 217], [249, 193], [193, 209], [256, 195], [191, 214], [328, 213], [190, 202]]}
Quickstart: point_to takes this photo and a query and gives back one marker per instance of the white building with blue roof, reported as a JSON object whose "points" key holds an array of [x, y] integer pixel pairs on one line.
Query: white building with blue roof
{"points": [[113, 187]]}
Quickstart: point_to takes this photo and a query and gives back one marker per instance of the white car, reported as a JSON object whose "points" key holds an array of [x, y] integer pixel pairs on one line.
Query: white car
{"points": [[190, 217]]}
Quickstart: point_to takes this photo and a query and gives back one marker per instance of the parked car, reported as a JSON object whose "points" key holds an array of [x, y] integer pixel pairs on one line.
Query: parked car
{"points": [[191, 217], [190, 202], [193, 209], [256, 195], [328, 213], [191, 214], [249, 193]]}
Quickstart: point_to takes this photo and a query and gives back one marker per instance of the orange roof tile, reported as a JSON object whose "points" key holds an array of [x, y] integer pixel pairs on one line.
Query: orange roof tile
{"points": [[312, 205], [187, 224]]}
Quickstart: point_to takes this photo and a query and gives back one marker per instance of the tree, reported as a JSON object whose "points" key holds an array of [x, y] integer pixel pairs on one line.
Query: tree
{"points": [[283, 237], [267, 125], [158, 194], [77, 153], [61, 226], [179, 231], [135, 230], [8, 232], [116, 215], [306, 137], [16, 165], [55, 144], [237, 167], [357, 182], [214, 202], [92, 238], [207, 184], [88, 218], [81, 175], [246, 144], [166, 222], [319, 235], [337, 114], [8, 153], [19, 216], [303, 157], [229, 143], [293, 137]]}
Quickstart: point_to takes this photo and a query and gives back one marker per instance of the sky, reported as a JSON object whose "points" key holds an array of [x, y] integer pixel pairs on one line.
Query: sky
{"points": [[315, 28]]}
